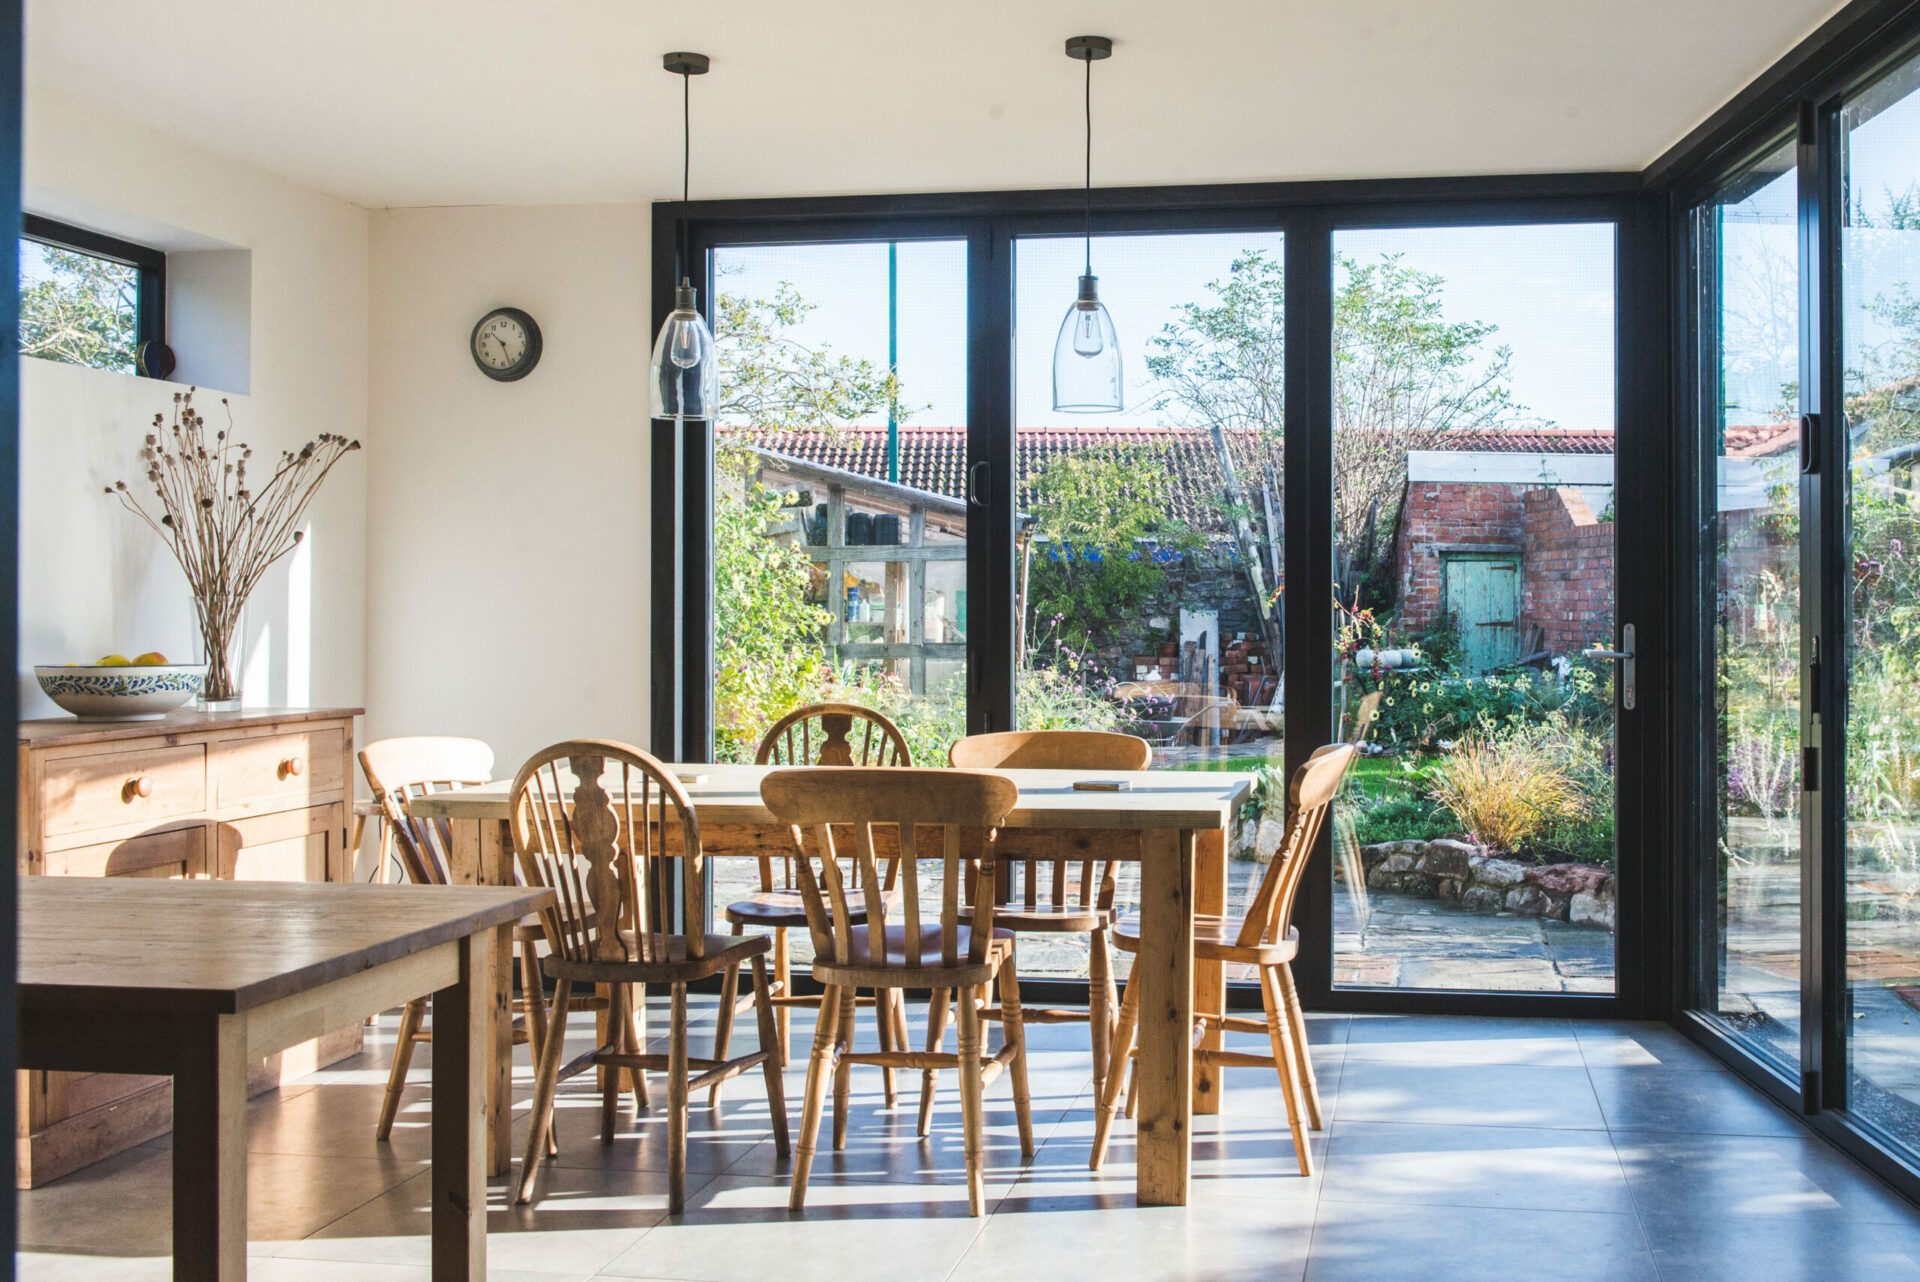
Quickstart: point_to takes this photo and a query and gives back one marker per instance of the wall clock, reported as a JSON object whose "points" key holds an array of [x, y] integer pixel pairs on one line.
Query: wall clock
{"points": [[506, 344]]}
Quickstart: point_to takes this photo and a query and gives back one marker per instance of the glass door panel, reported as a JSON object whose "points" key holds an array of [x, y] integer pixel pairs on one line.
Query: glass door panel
{"points": [[1473, 458], [1150, 539], [1748, 289], [840, 538], [1880, 319]]}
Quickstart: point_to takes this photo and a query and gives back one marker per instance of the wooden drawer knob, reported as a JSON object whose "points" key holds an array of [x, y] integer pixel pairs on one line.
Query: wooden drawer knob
{"points": [[141, 786], [293, 767]]}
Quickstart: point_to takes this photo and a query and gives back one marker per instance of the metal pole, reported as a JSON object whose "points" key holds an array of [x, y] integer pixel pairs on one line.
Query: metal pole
{"points": [[893, 360]]}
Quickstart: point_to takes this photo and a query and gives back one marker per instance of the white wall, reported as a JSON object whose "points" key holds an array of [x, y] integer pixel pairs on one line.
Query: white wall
{"points": [[507, 591], [93, 580]]}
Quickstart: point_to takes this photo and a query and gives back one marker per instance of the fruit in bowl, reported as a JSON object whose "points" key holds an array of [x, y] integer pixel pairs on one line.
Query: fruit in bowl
{"points": [[121, 689]]}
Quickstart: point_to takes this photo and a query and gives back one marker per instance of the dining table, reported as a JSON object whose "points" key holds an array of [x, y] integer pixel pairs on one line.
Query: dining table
{"points": [[198, 979], [1173, 823]]}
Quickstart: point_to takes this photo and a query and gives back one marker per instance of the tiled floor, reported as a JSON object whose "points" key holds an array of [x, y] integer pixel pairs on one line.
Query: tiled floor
{"points": [[1456, 1149]]}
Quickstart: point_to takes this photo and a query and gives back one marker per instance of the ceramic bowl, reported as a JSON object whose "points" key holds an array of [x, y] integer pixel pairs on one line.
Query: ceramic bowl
{"points": [[131, 693]]}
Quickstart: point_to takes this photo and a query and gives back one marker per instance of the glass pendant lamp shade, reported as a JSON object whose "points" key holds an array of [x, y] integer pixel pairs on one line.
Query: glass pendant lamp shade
{"points": [[686, 371], [1086, 357]]}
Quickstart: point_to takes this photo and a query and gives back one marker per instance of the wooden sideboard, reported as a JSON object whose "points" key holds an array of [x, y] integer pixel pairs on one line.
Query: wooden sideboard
{"points": [[262, 794]]}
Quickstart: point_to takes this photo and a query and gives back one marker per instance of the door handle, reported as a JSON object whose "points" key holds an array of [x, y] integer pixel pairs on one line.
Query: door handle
{"points": [[976, 488], [1624, 656]]}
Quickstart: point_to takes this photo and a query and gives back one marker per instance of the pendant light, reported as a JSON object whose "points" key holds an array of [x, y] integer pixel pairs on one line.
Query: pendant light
{"points": [[1086, 355], [686, 369]]}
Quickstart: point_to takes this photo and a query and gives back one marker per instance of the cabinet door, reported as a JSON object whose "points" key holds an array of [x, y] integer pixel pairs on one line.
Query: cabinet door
{"points": [[299, 845]]}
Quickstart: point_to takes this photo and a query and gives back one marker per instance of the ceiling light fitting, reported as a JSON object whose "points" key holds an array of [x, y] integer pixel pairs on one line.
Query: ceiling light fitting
{"points": [[1086, 355], [686, 369]]}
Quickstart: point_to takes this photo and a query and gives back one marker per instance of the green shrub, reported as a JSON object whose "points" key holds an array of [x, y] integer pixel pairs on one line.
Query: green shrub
{"points": [[1405, 818]]}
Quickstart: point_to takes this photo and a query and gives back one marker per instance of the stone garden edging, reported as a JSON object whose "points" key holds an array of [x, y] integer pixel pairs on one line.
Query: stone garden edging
{"points": [[1459, 872]]}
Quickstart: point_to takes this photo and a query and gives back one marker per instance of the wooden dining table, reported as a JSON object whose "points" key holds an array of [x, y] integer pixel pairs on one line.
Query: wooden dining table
{"points": [[197, 980], [1173, 823]]}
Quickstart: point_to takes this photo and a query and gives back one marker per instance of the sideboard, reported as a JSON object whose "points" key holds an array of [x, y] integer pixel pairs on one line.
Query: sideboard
{"points": [[259, 794]]}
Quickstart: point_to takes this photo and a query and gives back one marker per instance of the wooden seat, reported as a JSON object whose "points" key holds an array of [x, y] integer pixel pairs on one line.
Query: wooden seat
{"points": [[815, 734], [412, 766], [948, 957], [1033, 891], [1264, 938], [591, 821]]}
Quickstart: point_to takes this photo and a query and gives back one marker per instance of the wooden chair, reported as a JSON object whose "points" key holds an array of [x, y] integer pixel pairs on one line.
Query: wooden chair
{"points": [[601, 824], [397, 771], [816, 734], [1265, 939], [950, 957], [1049, 902]]}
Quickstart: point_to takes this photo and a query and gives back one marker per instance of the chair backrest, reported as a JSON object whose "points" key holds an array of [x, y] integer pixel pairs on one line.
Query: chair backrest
{"points": [[1365, 713], [905, 802], [401, 769], [1050, 750], [1309, 796], [599, 823], [833, 734]]}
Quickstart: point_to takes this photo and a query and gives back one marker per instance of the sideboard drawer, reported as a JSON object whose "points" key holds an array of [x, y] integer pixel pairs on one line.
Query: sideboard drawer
{"points": [[121, 789], [279, 772], [180, 853]]}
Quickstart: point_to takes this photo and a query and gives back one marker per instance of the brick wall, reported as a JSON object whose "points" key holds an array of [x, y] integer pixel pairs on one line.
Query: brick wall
{"points": [[1566, 571], [1449, 517]]}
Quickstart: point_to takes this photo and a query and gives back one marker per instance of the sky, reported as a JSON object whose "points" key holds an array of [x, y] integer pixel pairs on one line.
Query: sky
{"points": [[1548, 289]]}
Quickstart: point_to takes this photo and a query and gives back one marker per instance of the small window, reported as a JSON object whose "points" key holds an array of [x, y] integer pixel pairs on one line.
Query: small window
{"points": [[88, 299]]}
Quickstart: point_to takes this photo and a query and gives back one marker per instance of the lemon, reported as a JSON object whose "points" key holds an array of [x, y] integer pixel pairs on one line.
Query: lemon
{"points": [[151, 659], [113, 661]]}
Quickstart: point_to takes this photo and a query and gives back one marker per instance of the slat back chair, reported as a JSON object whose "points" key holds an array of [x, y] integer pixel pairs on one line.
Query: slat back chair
{"points": [[1048, 899], [935, 812], [1353, 867], [1265, 939], [815, 734], [602, 825], [399, 770]]}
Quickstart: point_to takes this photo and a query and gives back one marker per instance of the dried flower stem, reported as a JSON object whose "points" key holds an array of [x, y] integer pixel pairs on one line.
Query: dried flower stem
{"points": [[224, 535]]}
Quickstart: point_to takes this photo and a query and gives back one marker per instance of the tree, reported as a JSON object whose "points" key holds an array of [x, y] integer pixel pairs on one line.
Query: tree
{"points": [[1403, 375], [81, 312], [772, 379]]}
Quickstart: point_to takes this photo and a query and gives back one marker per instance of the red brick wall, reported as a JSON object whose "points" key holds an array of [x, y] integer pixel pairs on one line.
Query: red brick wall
{"points": [[1566, 554], [1566, 571]]}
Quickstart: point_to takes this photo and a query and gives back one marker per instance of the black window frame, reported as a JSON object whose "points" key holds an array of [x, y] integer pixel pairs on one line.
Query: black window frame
{"points": [[1307, 213], [150, 294]]}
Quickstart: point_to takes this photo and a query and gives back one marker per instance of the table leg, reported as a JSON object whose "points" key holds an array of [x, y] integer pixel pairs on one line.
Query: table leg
{"points": [[210, 1151], [482, 855], [1209, 977], [1163, 969], [461, 1061]]}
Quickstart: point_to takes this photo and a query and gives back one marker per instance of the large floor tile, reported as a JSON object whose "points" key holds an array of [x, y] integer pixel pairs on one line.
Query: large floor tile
{"points": [[1714, 1103], [1448, 1039], [1232, 1157], [1485, 1166], [579, 1222], [1747, 1177], [1462, 1095], [739, 1230], [1785, 1248], [1375, 1242], [1636, 1044]]}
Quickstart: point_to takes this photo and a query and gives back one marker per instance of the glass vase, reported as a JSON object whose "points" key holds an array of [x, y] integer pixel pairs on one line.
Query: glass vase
{"points": [[220, 692]]}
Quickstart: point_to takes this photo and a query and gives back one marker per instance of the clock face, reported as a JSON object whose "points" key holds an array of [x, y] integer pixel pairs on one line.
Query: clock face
{"points": [[506, 344]]}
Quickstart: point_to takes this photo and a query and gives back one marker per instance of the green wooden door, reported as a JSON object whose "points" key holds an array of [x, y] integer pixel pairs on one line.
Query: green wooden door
{"points": [[1483, 595]]}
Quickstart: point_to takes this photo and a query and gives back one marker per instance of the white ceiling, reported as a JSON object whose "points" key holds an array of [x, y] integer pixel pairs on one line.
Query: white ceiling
{"points": [[430, 102]]}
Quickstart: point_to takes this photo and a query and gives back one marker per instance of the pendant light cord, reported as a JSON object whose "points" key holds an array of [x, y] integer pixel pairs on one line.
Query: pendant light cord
{"points": [[1089, 184], [686, 172]]}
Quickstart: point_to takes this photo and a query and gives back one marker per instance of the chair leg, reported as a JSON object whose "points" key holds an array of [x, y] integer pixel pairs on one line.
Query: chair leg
{"points": [[534, 999], [723, 1019], [769, 1039], [402, 1060], [843, 1076], [819, 1065], [1013, 1031], [1133, 1088], [618, 1031], [1302, 1050], [546, 1076], [637, 1039], [353, 850], [1099, 1008], [936, 1038], [783, 979], [1122, 1048], [677, 1105], [1280, 1035], [883, 1023], [971, 1112]]}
